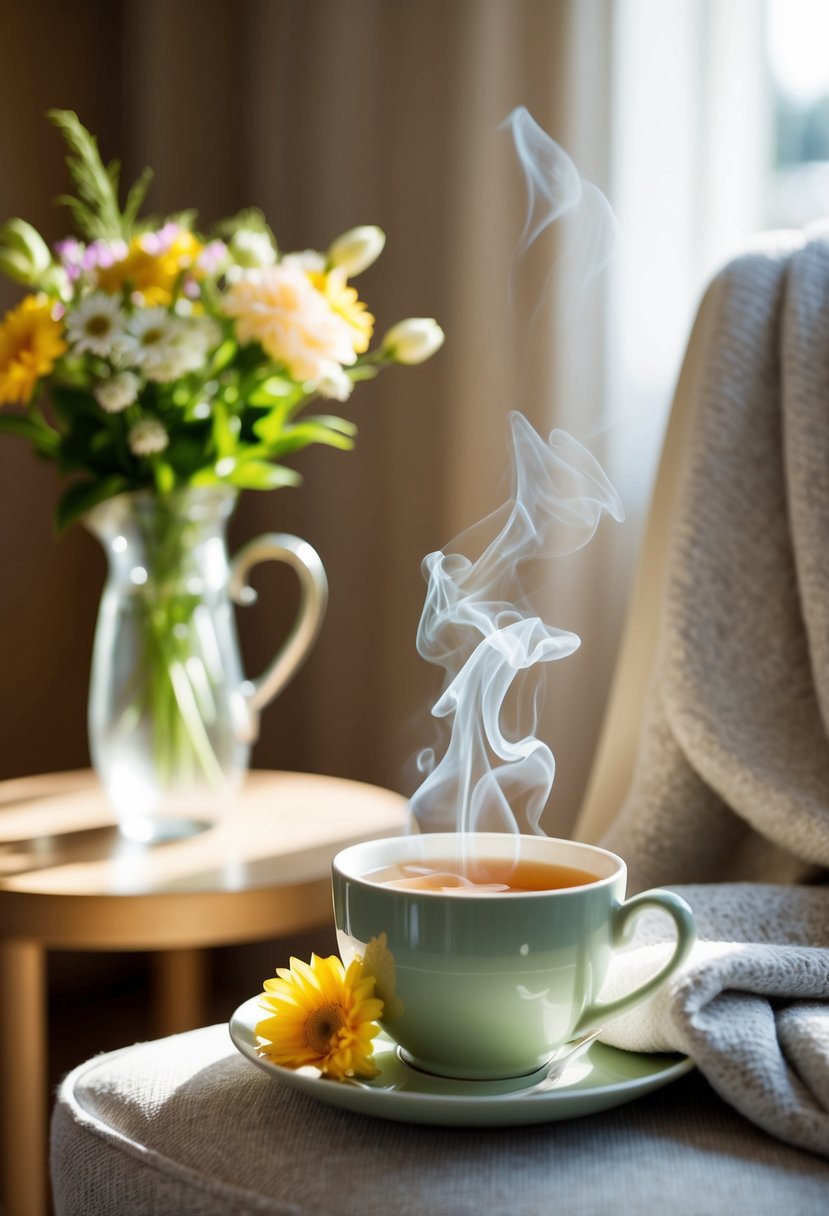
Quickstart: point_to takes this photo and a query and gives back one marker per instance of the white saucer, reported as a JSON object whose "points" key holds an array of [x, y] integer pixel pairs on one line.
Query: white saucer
{"points": [[597, 1079]]}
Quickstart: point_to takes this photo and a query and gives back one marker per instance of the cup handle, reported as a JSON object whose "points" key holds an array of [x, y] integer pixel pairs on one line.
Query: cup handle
{"points": [[598, 1013], [281, 547]]}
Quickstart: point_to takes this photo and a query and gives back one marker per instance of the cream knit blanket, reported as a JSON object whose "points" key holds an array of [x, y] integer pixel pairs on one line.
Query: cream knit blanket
{"points": [[732, 780]]}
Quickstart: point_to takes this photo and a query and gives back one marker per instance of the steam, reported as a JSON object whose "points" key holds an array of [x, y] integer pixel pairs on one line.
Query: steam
{"points": [[478, 623], [555, 190], [479, 627]]}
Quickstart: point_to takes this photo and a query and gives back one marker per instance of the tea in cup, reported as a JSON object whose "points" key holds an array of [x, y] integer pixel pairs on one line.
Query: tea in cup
{"points": [[489, 950]]}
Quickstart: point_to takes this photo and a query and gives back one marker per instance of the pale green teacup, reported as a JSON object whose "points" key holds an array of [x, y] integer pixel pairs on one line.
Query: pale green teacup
{"points": [[488, 984]]}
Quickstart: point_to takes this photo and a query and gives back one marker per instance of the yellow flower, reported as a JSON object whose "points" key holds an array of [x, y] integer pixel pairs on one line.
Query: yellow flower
{"points": [[30, 342], [152, 266], [323, 1015], [345, 302]]}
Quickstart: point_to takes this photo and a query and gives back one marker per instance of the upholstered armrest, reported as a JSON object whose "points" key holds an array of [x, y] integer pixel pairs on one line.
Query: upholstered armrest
{"points": [[185, 1125]]}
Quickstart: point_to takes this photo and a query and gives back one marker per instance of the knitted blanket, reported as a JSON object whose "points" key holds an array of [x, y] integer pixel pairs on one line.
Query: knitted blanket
{"points": [[732, 779]]}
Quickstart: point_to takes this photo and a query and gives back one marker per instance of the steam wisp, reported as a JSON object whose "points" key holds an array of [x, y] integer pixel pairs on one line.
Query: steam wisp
{"points": [[478, 623]]}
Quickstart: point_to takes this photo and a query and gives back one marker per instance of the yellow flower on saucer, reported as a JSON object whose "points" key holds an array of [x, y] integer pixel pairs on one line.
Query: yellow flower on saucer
{"points": [[345, 302], [30, 342], [322, 1015]]}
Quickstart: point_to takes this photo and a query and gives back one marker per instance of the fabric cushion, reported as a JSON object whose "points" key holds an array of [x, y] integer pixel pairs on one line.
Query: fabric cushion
{"points": [[186, 1127]]}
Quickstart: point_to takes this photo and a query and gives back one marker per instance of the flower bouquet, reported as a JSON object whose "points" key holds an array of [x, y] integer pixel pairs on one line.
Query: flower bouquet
{"points": [[164, 369]]}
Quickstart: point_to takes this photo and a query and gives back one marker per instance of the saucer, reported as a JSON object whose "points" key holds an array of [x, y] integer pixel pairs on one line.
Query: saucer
{"points": [[597, 1079]]}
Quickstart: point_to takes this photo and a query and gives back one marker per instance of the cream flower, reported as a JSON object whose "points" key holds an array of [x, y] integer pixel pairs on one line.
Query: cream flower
{"points": [[117, 392], [280, 308], [147, 437], [96, 324]]}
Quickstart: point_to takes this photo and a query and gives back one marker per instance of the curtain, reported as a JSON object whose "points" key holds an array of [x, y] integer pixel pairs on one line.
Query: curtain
{"points": [[327, 114]]}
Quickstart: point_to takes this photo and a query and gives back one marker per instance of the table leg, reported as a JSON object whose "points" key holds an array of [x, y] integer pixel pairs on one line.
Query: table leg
{"points": [[23, 1072], [179, 991]]}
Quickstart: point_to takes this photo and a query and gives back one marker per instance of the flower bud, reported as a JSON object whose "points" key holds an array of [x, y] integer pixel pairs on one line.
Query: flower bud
{"points": [[413, 340], [251, 249], [335, 384], [357, 249], [24, 255]]}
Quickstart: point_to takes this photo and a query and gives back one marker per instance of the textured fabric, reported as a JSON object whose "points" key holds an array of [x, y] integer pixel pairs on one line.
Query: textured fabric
{"points": [[750, 1007], [186, 1127], [732, 779]]}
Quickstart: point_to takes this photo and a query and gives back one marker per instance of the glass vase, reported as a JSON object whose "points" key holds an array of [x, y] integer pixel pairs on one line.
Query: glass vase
{"points": [[171, 716]]}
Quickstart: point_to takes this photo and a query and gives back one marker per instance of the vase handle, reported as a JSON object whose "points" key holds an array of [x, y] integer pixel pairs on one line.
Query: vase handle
{"points": [[281, 547]]}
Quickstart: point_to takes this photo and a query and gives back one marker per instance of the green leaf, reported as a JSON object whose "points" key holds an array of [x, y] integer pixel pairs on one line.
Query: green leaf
{"points": [[250, 219], [276, 390], [334, 423], [82, 496], [135, 197], [314, 430], [165, 477], [186, 452], [70, 403], [149, 223], [45, 440], [259, 475], [96, 210], [271, 427], [205, 477], [226, 429], [223, 355]]}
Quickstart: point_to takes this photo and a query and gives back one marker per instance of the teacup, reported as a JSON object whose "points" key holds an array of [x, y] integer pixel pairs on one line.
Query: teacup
{"points": [[486, 982]]}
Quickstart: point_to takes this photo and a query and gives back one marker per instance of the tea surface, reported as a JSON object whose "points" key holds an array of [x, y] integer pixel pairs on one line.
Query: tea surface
{"points": [[480, 876]]}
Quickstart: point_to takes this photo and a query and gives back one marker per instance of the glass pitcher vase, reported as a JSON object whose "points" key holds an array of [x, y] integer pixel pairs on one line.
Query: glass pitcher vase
{"points": [[171, 716]]}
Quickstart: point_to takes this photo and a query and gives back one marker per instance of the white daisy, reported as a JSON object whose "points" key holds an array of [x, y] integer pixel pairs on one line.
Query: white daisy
{"points": [[190, 339], [117, 392], [147, 437], [96, 325], [150, 338]]}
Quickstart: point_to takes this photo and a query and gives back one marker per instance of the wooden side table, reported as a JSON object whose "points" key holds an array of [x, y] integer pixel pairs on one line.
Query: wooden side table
{"points": [[69, 882]]}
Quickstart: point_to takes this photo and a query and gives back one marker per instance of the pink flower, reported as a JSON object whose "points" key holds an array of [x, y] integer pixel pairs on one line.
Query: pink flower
{"points": [[70, 253], [211, 257], [159, 242], [102, 254]]}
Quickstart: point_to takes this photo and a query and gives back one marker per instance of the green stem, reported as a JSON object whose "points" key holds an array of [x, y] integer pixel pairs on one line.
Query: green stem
{"points": [[178, 690]]}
